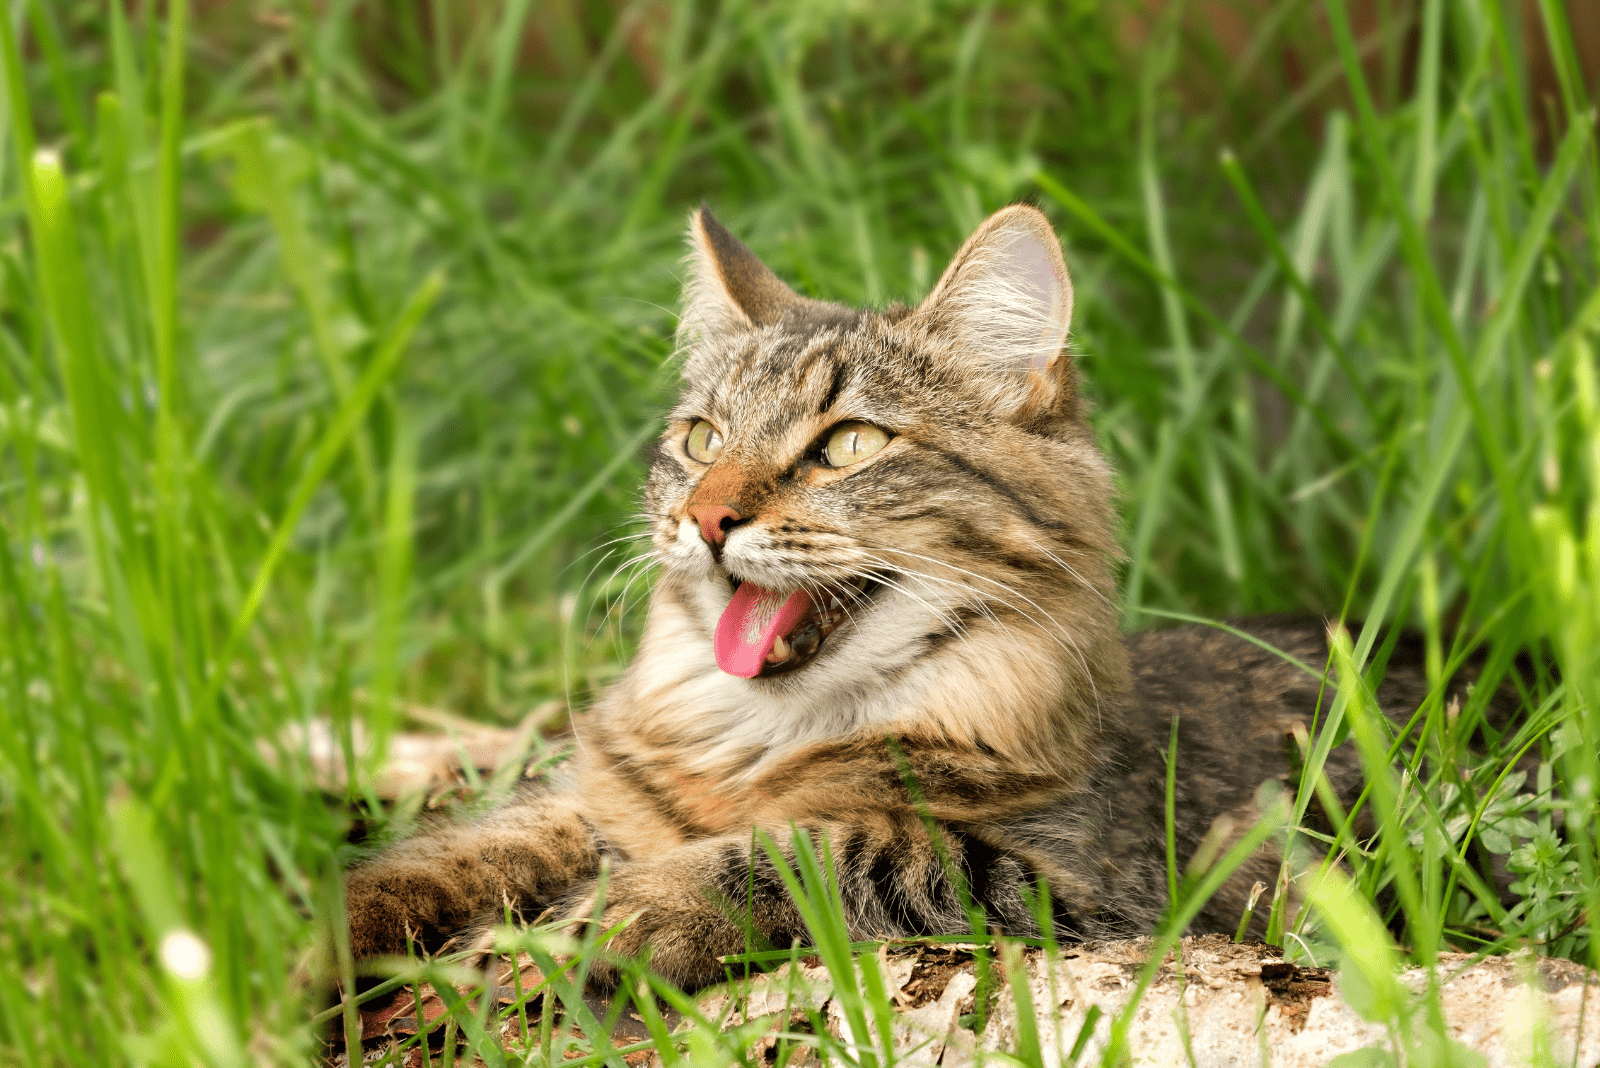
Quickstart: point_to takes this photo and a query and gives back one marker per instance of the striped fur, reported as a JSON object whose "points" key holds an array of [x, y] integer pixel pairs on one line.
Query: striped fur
{"points": [[984, 668]]}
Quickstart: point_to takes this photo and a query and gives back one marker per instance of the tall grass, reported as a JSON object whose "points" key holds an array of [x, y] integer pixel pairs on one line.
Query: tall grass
{"points": [[329, 341]]}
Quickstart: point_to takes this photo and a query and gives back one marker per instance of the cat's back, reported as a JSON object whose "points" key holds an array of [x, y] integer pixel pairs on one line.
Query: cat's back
{"points": [[1221, 681], [1236, 703], [1268, 675], [1240, 701]]}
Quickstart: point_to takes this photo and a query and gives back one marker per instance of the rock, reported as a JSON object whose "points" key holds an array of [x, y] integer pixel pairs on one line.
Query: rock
{"points": [[1231, 1004]]}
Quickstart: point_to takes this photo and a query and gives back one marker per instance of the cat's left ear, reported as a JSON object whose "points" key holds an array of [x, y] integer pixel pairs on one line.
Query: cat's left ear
{"points": [[1006, 301], [729, 287]]}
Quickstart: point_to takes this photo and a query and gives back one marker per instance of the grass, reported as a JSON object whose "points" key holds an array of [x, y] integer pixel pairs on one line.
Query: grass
{"points": [[330, 337]]}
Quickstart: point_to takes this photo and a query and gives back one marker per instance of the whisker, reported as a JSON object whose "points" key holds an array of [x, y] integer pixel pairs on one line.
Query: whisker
{"points": [[637, 565], [955, 623], [1055, 628], [627, 592], [1069, 569], [619, 539]]}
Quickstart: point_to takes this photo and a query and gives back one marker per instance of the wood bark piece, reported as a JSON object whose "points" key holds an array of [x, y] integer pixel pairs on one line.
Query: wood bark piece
{"points": [[425, 760]]}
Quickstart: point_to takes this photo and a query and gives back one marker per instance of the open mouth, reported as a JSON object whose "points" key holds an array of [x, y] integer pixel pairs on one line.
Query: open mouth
{"points": [[763, 633]]}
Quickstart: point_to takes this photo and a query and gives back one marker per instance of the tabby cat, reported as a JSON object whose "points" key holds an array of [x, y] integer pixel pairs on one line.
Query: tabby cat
{"points": [[886, 542]]}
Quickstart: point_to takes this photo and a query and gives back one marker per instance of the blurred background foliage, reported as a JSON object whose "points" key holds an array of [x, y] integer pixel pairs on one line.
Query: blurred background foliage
{"points": [[333, 335], [543, 156]]}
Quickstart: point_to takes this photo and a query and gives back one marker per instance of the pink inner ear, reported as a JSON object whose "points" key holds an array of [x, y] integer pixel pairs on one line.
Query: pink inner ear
{"points": [[1028, 263], [1026, 260]]}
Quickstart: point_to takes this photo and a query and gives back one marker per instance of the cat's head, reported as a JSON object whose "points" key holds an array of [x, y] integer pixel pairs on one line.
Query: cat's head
{"points": [[843, 494]]}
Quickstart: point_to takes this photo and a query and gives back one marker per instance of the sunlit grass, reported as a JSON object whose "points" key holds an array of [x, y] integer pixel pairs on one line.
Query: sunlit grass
{"points": [[330, 341]]}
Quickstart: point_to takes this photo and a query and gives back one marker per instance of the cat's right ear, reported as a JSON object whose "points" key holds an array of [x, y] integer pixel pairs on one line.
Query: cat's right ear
{"points": [[1006, 302], [729, 288]]}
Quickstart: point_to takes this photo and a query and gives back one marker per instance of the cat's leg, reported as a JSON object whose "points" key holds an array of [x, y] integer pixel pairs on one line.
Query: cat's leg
{"points": [[723, 896], [527, 853]]}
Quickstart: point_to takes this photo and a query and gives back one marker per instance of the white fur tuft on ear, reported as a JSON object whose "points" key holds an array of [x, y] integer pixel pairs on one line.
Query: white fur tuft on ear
{"points": [[708, 309], [1005, 299]]}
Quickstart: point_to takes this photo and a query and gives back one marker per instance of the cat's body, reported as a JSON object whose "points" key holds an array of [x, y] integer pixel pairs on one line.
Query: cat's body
{"points": [[887, 543]]}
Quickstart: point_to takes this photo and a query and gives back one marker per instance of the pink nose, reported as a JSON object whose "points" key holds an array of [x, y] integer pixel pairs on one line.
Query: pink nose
{"points": [[714, 520]]}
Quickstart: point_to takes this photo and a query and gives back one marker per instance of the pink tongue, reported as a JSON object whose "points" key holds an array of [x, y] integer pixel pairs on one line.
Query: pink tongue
{"points": [[751, 623]]}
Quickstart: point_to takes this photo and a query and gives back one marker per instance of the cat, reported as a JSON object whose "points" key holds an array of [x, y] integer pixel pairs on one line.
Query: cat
{"points": [[887, 614]]}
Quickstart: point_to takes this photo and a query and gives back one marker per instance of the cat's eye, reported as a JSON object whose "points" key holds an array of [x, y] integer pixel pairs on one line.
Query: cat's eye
{"points": [[705, 443], [850, 443]]}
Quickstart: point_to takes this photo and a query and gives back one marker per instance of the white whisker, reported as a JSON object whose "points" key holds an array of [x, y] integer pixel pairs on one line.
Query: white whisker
{"points": [[1053, 627]]}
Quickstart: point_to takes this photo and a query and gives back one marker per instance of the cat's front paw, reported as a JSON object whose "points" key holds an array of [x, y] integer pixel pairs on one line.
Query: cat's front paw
{"points": [[392, 903], [670, 926]]}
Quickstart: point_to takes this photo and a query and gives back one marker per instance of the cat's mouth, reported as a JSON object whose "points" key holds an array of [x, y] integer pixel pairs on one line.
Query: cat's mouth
{"points": [[764, 633]]}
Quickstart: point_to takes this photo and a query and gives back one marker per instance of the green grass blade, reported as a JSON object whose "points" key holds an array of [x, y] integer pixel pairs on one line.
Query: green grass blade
{"points": [[340, 429]]}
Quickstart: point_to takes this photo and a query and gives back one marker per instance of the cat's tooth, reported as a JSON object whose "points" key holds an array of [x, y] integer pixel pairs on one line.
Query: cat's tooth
{"points": [[780, 651]]}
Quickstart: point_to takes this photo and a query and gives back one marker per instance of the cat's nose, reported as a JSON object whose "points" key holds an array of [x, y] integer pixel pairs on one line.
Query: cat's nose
{"points": [[715, 521]]}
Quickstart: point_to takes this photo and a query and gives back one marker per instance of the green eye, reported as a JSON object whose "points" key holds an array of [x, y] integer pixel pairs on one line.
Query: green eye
{"points": [[704, 443], [850, 443]]}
